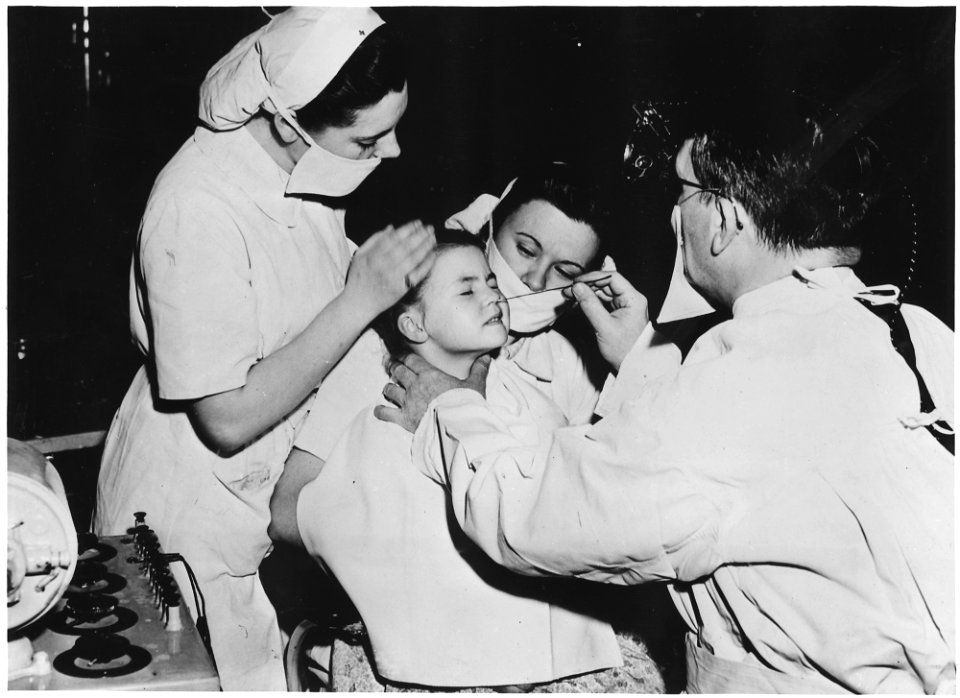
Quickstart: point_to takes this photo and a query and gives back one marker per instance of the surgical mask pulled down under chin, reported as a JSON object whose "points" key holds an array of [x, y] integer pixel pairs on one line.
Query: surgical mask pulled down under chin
{"points": [[323, 173], [531, 313], [682, 300]]}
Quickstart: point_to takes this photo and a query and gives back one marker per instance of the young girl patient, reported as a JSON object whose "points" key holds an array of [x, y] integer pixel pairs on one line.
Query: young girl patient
{"points": [[437, 611]]}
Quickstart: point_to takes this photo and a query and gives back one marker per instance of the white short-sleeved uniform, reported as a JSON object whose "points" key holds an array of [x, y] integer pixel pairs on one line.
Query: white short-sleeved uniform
{"points": [[228, 270]]}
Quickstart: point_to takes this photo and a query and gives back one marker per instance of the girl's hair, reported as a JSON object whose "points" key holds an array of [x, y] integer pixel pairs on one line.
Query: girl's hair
{"points": [[376, 68], [565, 187], [386, 323]]}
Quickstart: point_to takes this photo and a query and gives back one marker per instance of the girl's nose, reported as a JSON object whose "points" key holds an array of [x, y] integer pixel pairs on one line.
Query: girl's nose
{"points": [[493, 295]]}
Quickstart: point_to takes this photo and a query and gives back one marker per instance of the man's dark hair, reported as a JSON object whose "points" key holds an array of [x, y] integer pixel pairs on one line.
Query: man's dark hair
{"points": [[804, 175], [376, 68], [386, 323]]}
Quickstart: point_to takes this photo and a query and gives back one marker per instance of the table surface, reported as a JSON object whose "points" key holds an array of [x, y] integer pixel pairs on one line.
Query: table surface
{"points": [[179, 660]]}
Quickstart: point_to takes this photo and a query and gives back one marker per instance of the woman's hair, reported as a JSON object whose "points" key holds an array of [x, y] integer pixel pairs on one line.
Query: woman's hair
{"points": [[386, 323], [568, 189], [376, 68]]}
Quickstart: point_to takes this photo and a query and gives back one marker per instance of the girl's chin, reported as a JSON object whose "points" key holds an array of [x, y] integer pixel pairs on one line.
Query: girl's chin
{"points": [[501, 338], [491, 340]]}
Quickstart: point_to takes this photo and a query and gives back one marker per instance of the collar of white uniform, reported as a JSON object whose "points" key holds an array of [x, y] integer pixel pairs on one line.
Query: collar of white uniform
{"points": [[245, 163], [838, 281], [530, 357]]}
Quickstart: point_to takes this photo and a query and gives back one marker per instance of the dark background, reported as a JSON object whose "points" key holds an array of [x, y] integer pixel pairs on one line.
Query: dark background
{"points": [[490, 89]]}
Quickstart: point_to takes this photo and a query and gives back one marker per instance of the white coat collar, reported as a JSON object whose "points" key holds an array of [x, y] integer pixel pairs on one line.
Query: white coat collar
{"points": [[244, 162], [530, 357], [835, 281]]}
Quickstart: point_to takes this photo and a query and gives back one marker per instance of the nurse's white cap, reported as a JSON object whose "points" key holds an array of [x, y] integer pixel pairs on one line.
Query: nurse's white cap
{"points": [[293, 57]]}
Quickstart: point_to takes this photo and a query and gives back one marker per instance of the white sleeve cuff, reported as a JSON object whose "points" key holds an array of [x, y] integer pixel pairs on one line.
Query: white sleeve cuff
{"points": [[652, 356]]}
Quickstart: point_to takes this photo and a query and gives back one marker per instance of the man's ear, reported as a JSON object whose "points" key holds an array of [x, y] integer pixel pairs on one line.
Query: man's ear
{"points": [[410, 324], [728, 221], [285, 132]]}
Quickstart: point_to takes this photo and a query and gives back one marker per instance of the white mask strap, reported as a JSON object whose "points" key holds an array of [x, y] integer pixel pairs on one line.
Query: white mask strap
{"points": [[289, 117]]}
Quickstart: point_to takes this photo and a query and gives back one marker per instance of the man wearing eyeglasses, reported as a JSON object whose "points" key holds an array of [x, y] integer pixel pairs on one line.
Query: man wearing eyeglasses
{"points": [[792, 480]]}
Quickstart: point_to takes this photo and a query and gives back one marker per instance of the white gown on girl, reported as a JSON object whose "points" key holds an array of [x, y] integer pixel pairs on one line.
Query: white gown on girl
{"points": [[438, 611]]}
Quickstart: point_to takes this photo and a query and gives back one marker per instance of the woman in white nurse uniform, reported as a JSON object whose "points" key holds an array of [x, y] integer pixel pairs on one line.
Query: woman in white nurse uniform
{"points": [[245, 291]]}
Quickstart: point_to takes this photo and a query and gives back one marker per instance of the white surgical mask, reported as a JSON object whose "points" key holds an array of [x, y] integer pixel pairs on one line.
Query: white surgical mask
{"points": [[682, 300], [530, 313], [321, 172]]}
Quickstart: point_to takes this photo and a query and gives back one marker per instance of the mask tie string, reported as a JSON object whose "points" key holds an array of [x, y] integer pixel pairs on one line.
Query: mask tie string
{"points": [[881, 294], [883, 301]]}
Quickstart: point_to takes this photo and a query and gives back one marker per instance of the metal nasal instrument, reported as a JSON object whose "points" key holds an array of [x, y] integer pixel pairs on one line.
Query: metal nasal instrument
{"points": [[559, 288]]}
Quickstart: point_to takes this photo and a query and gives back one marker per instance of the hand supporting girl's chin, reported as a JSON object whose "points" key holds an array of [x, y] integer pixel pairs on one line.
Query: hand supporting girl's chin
{"points": [[417, 383]]}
